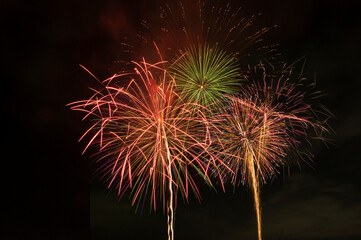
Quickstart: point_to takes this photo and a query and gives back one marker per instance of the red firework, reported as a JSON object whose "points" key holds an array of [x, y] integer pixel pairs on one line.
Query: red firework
{"points": [[149, 139]]}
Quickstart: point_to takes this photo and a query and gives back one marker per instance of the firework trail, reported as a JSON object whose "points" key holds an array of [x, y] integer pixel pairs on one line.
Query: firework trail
{"points": [[149, 139]]}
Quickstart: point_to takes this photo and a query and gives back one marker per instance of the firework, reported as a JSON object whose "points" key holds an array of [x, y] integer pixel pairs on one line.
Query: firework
{"points": [[252, 144], [294, 99], [261, 128], [183, 24], [204, 74], [149, 139], [159, 127]]}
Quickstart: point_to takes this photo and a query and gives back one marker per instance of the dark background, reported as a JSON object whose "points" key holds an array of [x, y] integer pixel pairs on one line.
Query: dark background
{"points": [[46, 182]]}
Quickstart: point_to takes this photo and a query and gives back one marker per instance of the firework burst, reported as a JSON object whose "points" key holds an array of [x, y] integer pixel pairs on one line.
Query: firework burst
{"points": [[149, 139], [204, 74], [159, 127], [182, 24], [252, 143], [260, 128]]}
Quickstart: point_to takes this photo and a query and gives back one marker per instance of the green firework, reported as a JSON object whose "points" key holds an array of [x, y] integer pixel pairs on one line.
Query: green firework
{"points": [[204, 74]]}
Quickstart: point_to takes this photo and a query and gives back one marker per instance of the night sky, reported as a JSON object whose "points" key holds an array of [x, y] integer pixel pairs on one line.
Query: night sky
{"points": [[48, 187]]}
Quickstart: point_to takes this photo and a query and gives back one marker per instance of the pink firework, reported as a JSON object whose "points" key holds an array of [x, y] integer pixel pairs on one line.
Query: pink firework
{"points": [[260, 128], [149, 139]]}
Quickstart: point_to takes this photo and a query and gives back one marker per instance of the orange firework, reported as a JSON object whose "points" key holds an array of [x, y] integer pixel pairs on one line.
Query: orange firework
{"points": [[252, 143], [260, 128]]}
